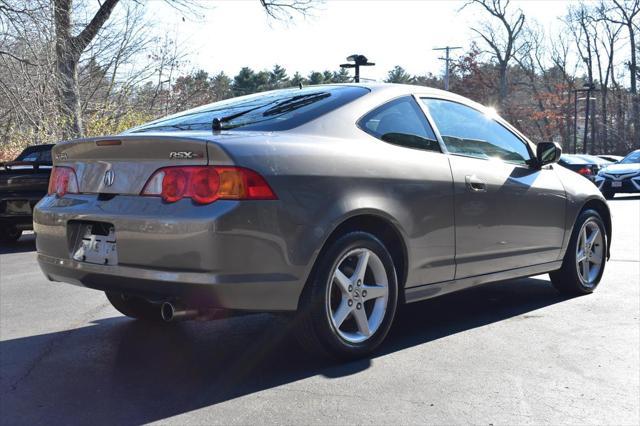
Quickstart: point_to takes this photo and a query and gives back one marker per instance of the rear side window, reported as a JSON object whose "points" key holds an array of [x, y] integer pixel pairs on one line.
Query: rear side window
{"points": [[401, 122], [268, 111], [467, 131]]}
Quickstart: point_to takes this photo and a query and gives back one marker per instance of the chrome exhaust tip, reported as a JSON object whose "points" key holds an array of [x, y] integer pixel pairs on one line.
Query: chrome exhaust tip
{"points": [[171, 312]]}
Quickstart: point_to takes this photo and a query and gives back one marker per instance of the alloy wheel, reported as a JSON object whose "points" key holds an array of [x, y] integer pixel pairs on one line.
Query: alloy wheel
{"points": [[589, 253], [358, 295]]}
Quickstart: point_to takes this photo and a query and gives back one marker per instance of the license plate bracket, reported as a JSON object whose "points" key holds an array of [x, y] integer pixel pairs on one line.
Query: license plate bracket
{"points": [[18, 207], [96, 244], [615, 184]]}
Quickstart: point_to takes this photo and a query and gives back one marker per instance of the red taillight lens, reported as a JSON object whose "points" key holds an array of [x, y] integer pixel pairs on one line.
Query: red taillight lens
{"points": [[585, 171], [63, 181], [205, 184], [174, 184]]}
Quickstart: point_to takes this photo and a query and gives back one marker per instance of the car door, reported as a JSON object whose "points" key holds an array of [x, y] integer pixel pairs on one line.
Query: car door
{"points": [[421, 182], [508, 214]]}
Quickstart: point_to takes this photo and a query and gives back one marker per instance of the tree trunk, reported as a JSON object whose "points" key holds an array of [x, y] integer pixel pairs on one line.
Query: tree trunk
{"points": [[502, 95], [67, 72], [68, 51], [605, 131]]}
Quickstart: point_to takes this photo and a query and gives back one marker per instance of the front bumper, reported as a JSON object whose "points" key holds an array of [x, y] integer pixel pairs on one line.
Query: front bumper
{"points": [[627, 185], [228, 254]]}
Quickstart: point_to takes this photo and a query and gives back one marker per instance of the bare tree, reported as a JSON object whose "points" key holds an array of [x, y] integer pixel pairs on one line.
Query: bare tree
{"points": [[627, 13], [503, 39], [69, 47]]}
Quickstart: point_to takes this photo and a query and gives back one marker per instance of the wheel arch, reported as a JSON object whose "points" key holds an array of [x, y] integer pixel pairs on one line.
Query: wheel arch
{"points": [[603, 210], [382, 227]]}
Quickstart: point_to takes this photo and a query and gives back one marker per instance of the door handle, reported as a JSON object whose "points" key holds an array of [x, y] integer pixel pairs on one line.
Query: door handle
{"points": [[475, 184]]}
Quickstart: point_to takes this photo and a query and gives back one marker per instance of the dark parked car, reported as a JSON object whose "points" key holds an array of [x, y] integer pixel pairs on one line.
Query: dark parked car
{"points": [[23, 182], [620, 177], [611, 158], [584, 164], [335, 203]]}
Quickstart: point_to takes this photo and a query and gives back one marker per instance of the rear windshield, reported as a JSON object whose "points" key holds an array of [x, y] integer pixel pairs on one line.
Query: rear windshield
{"points": [[573, 159], [269, 111], [41, 154]]}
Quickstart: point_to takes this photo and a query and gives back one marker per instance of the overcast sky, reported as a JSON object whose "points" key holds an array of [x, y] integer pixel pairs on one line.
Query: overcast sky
{"points": [[237, 33]]}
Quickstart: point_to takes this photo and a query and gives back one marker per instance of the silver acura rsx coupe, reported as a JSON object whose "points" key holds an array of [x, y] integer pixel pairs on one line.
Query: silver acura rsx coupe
{"points": [[336, 202]]}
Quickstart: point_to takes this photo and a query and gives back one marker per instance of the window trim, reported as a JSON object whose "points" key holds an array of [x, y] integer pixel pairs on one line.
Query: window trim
{"points": [[508, 127], [388, 101]]}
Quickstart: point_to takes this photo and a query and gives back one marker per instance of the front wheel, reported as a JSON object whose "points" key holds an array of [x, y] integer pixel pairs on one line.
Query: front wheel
{"points": [[350, 301], [585, 259]]}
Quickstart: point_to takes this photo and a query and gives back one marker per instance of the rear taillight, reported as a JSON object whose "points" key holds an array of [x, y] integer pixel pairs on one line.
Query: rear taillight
{"points": [[206, 184], [585, 171], [63, 181]]}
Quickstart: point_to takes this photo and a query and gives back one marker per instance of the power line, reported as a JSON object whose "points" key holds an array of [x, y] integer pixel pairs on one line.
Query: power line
{"points": [[447, 59]]}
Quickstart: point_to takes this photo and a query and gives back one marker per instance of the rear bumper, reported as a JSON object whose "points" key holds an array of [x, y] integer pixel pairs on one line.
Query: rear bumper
{"points": [[20, 219], [257, 292], [228, 254]]}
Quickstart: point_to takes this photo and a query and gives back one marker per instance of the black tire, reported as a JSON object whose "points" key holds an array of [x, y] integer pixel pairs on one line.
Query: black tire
{"points": [[135, 307], [567, 280], [315, 330], [9, 234], [609, 195]]}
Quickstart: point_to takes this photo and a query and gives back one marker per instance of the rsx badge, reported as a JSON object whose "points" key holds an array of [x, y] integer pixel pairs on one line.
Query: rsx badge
{"points": [[184, 155]]}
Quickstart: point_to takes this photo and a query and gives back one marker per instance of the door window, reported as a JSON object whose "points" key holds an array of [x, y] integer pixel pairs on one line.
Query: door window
{"points": [[401, 122], [467, 131]]}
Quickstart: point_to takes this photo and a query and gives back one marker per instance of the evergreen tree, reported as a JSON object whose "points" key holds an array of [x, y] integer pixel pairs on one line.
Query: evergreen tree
{"points": [[262, 81], [316, 78], [297, 80], [221, 86], [399, 75], [245, 82], [341, 76], [278, 77]]}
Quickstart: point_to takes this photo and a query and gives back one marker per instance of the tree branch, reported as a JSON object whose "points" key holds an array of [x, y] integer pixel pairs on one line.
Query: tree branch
{"points": [[82, 40]]}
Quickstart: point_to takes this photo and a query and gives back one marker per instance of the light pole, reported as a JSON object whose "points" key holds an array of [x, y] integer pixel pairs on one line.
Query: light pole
{"points": [[358, 61], [588, 88]]}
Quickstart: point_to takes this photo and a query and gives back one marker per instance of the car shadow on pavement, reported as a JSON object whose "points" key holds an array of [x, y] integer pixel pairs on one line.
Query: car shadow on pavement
{"points": [[26, 243], [122, 371]]}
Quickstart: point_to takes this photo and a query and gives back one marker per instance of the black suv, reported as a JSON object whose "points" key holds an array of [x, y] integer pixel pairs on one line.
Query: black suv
{"points": [[23, 182]]}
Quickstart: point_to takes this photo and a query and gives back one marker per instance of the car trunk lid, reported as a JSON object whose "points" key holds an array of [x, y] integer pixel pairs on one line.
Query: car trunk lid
{"points": [[124, 163]]}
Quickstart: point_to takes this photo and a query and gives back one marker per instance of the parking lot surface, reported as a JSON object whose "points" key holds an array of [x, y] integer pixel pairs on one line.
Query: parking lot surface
{"points": [[507, 353]]}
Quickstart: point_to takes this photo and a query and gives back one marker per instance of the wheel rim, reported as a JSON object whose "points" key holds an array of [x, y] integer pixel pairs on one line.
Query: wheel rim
{"points": [[589, 253], [358, 295]]}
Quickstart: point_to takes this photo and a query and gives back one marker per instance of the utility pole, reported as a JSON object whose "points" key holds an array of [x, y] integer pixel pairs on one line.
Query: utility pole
{"points": [[447, 59]]}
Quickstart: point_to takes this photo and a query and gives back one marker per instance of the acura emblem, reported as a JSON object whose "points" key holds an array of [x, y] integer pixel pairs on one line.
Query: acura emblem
{"points": [[109, 177]]}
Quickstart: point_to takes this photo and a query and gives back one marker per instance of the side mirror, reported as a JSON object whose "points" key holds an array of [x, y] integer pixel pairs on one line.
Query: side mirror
{"points": [[547, 153]]}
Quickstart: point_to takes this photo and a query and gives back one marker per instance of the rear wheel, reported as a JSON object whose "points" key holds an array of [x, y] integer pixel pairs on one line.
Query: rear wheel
{"points": [[585, 259], [350, 301], [134, 307], [9, 233]]}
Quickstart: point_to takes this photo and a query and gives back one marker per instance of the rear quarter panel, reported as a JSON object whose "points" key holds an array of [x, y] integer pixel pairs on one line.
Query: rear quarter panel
{"points": [[322, 181]]}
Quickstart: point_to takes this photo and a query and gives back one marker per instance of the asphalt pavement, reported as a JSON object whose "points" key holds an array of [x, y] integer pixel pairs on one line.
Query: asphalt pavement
{"points": [[507, 353]]}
